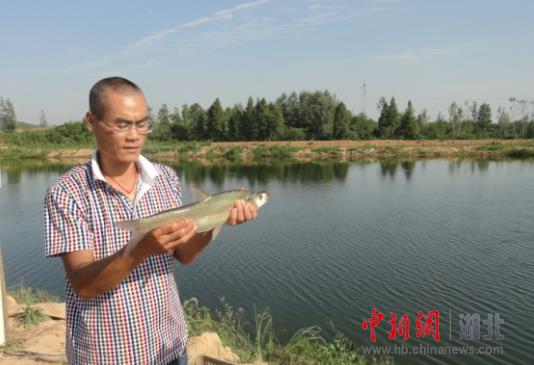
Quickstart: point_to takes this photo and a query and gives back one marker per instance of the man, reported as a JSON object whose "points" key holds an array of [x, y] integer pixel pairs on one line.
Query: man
{"points": [[122, 308]]}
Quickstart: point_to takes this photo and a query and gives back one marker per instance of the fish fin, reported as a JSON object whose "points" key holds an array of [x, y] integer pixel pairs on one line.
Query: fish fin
{"points": [[132, 225], [136, 238], [199, 193], [215, 232], [135, 227]]}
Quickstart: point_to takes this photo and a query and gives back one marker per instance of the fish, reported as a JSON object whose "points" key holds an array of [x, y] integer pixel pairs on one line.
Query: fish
{"points": [[208, 212]]}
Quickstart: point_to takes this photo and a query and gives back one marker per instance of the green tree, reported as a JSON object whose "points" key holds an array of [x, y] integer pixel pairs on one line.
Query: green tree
{"points": [[363, 127], [275, 123], [179, 128], [248, 121], [216, 121], [530, 130], [162, 132], [261, 118], [393, 118], [290, 109], [408, 128], [9, 117], [341, 126], [294, 134], [234, 123], [164, 115], [484, 118], [383, 126], [199, 121], [389, 120], [162, 128], [316, 112], [438, 129]]}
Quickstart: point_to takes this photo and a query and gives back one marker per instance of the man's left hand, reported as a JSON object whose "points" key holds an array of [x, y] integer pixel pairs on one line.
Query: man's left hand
{"points": [[241, 212]]}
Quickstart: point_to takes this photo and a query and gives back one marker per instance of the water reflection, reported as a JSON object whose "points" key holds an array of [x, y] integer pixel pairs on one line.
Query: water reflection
{"points": [[290, 171], [13, 169], [474, 166], [197, 173], [388, 168], [407, 167]]}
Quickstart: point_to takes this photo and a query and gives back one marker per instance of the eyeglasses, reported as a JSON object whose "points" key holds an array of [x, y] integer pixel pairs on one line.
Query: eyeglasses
{"points": [[142, 127]]}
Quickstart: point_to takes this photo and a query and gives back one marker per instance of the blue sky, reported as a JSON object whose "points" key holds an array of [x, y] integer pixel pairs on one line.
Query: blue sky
{"points": [[432, 52]]}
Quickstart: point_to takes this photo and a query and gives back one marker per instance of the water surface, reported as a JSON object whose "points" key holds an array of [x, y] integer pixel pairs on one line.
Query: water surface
{"points": [[338, 239]]}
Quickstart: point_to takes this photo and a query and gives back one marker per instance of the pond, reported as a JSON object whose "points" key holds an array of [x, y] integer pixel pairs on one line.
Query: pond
{"points": [[339, 239]]}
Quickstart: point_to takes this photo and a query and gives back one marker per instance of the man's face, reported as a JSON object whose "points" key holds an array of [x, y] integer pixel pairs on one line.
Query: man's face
{"points": [[122, 108]]}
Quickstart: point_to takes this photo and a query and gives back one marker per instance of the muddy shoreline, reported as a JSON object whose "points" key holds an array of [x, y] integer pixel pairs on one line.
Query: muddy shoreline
{"points": [[297, 150]]}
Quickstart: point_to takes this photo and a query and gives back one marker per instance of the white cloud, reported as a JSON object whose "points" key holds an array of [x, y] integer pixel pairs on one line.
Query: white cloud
{"points": [[220, 15], [322, 13], [233, 27]]}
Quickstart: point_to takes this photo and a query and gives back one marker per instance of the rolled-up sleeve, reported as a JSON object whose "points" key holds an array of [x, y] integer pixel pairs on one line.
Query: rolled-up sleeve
{"points": [[66, 226]]}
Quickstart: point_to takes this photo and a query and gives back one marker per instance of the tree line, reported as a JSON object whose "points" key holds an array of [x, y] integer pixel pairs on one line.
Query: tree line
{"points": [[320, 116], [308, 115]]}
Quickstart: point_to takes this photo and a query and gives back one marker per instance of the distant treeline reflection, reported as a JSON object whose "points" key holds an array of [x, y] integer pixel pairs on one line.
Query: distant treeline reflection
{"points": [[286, 171], [13, 170], [291, 171]]}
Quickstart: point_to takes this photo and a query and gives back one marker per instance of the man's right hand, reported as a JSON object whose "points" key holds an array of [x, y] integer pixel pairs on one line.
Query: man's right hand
{"points": [[167, 237]]}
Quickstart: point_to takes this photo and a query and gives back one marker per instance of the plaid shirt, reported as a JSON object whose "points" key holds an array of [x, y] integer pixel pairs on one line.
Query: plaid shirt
{"points": [[141, 321]]}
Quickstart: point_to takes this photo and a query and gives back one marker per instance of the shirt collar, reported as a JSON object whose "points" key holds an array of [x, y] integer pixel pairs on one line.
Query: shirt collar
{"points": [[146, 168]]}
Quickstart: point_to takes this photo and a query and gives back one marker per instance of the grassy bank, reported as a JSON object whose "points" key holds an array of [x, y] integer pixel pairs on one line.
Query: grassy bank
{"points": [[257, 340], [299, 150], [251, 341]]}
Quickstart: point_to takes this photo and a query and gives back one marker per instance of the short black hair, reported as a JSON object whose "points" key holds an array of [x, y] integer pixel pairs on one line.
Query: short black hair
{"points": [[97, 95]]}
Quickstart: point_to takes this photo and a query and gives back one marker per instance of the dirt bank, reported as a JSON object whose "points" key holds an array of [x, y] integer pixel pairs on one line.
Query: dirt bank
{"points": [[45, 342], [299, 150]]}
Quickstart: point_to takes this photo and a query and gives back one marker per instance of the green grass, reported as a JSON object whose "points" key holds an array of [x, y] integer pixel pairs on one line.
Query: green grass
{"points": [[191, 147], [30, 315], [492, 147], [234, 154], [257, 341], [28, 296], [391, 149], [152, 147], [328, 150], [10, 347], [277, 151], [261, 151], [520, 152], [22, 153]]}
